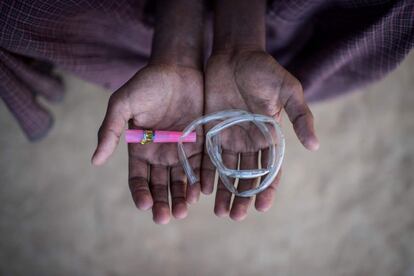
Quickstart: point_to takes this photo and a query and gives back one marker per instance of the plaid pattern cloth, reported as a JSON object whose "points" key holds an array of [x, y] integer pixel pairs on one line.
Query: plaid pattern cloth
{"points": [[332, 46]]}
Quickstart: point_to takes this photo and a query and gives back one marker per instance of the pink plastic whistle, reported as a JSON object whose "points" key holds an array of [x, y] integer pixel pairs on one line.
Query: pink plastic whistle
{"points": [[156, 136]]}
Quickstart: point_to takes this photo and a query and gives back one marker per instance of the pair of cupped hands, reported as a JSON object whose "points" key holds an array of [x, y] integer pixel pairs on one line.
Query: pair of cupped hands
{"points": [[169, 97]]}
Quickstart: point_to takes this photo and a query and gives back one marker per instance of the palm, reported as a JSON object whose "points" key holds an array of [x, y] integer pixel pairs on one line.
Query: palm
{"points": [[158, 97], [247, 82], [255, 82]]}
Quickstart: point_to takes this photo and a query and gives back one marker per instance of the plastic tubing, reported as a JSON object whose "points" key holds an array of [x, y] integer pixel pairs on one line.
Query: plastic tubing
{"points": [[230, 118], [160, 136]]}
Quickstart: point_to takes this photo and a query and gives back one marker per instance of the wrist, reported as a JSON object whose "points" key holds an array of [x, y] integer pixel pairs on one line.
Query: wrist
{"points": [[178, 51], [178, 35], [239, 25]]}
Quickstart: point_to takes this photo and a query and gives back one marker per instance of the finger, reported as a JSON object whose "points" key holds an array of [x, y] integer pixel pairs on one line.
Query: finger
{"points": [[240, 205], [223, 196], [208, 173], [109, 133], [138, 183], [178, 185], [193, 190], [159, 191], [299, 113], [264, 200]]}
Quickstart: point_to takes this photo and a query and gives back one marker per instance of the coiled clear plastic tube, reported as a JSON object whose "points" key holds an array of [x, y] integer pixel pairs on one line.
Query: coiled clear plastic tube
{"points": [[230, 118]]}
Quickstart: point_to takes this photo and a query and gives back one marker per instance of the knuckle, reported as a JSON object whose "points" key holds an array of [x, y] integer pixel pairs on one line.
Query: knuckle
{"points": [[112, 99], [296, 86], [290, 83], [138, 183], [161, 188], [114, 102]]}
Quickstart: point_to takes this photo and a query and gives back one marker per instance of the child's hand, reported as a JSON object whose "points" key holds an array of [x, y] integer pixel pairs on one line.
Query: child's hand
{"points": [[159, 97]]}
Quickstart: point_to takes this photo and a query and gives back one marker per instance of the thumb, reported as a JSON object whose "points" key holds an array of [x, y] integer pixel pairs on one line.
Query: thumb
{"points": [[299, 114], [116, 117]]}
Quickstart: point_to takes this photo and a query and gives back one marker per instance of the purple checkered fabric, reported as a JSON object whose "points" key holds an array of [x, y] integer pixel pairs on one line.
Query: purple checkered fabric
{"points": [[332, 46]]}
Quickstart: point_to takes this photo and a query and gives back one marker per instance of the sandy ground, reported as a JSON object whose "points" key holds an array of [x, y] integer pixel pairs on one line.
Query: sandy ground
{"points": [[345, 210]]}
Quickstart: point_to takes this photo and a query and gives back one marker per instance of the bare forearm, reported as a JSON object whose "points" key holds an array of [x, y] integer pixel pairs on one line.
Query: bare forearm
{"points": [[238, 25], [178, 36]]}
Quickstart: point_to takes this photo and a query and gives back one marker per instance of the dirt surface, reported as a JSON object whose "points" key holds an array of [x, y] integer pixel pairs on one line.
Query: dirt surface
{"points": [[346, 210]]}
